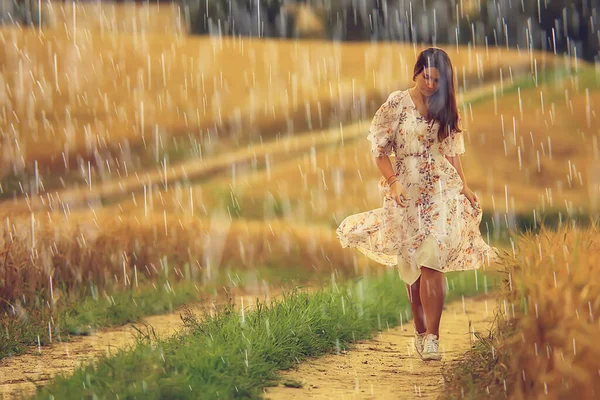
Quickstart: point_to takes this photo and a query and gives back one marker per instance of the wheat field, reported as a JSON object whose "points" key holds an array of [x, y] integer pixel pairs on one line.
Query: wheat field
{"points": [[133, 132]]}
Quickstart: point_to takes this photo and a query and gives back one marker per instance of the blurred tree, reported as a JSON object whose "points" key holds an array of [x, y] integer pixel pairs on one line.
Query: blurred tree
{"points": [[403, 20], [264, 18], [567, 25], [23, 12], [556, 25], [500, 23], [570, 26]]}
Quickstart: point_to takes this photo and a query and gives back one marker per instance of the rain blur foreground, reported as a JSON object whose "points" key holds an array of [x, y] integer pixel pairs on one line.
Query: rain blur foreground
{"points": [[137, 155]]}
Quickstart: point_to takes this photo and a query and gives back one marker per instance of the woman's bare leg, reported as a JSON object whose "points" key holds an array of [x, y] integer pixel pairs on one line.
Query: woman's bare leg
{"points": [[416, 307], [433, 293]]}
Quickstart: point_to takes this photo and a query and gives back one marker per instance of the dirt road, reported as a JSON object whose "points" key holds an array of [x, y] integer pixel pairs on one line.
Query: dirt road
{"points": [[387, 366]]}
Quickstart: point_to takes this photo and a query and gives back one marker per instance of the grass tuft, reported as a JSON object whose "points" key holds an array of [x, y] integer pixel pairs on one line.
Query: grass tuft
{"points": [[293, 384]]}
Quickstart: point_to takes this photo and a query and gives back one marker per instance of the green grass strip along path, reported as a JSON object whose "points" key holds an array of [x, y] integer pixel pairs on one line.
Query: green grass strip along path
{"points": [[85, 311], [235, 355], [82, 316]]}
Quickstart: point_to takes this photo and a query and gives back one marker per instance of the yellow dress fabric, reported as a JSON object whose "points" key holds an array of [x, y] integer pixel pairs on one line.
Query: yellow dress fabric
{"points": [[440, 227]]}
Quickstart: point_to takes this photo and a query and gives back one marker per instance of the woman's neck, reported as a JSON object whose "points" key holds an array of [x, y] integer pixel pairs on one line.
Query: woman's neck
{"points": [[416, 94]]}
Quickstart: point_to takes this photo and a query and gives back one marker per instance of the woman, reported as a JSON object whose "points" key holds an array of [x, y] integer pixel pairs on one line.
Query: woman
{"points": [[429, 222]]}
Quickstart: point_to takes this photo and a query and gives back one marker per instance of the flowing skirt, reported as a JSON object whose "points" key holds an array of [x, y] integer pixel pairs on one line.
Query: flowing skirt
{"points": [[439, 230]]}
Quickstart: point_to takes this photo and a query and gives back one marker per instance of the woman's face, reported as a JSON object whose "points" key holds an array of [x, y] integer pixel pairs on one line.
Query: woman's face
{"points": [[428, 81]]}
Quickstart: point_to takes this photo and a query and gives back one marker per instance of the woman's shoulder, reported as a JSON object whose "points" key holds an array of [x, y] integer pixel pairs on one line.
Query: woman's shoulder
{"points": [[397, 95], [396, 99]]}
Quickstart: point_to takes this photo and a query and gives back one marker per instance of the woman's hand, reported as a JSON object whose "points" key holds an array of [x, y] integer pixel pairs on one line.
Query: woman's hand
{"points": [[398, 194], [471, 196]]}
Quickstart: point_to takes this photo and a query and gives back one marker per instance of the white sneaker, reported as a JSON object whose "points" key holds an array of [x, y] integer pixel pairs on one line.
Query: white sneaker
{"points": [[419, 338], [431, 348]]}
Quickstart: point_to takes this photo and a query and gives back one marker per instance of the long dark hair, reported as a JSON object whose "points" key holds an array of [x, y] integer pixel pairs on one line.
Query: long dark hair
{"points": [[442, 104]]}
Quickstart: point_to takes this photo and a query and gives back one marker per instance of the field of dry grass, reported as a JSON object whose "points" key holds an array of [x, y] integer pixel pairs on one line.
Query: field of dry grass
{"points": [[548, 164], [124, 100], [207, 155], [62, 255], [109, 17], [543, 342], [226, 108]]}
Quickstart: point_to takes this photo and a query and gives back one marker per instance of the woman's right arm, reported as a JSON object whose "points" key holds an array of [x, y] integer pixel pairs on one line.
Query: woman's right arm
{"points": [[397, 191], [385, 166], [382, 134]]}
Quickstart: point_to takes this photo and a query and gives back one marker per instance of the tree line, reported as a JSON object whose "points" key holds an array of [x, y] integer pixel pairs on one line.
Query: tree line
{"points": [[564, 26], [561, 26]]}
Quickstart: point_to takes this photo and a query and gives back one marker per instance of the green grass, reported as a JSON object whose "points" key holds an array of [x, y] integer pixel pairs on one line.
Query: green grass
{"points": [[86, 311], [587, 77], [235, 355], [39, 325], [124, 307]]}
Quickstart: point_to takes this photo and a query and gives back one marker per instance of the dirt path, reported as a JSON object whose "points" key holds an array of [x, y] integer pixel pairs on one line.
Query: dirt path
{"points": [[63, 358], [382, 368], [387, 366]]}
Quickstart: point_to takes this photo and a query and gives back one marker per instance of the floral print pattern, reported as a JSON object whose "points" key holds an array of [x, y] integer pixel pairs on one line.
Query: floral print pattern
{"points": [[440, 227]]}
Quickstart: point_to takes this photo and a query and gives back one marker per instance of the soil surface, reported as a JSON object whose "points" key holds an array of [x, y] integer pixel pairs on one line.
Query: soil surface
{"points": [[387, 366]]}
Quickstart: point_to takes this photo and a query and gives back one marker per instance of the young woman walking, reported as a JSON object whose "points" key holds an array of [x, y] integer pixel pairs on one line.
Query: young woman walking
{"points": [[429, 222]]}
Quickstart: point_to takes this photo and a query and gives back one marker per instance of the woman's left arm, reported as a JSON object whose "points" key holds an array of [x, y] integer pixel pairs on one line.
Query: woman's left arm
{"points": [[469, 194]]}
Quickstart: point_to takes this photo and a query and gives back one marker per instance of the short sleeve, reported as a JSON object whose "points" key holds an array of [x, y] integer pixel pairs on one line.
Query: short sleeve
{"points": [[382, 132], [453, 145]]}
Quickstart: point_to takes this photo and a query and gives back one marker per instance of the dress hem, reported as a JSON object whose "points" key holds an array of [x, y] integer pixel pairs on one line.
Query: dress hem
{"points": [[410, 274], [475, 266]]}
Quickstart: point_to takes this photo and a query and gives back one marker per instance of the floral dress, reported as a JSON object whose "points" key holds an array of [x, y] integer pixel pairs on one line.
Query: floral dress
{"points": [[440, 228]]}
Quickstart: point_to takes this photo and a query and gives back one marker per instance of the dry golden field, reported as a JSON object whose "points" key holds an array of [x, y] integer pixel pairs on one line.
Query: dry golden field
{"points": [[136, 132], [543, 159], [548, 164], [555, 296], [126, 98], [542, 343], [132, 154]]}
